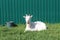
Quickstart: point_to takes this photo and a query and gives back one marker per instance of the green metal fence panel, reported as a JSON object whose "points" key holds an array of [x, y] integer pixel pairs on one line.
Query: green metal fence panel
{"points": [[42, 10]]}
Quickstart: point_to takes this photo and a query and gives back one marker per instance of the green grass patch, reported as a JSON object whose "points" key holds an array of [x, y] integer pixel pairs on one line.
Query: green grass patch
{"points": [[17, 33]]}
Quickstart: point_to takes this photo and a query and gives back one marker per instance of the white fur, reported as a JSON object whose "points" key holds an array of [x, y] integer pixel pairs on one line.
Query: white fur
{"points": [[34, 26]]}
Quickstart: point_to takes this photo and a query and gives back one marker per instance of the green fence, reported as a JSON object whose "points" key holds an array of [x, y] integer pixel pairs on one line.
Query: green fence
{"points": [[42, 10]]}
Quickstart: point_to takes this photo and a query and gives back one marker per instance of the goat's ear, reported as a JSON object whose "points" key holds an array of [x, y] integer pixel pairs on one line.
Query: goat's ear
{"points": [[23, 16]]}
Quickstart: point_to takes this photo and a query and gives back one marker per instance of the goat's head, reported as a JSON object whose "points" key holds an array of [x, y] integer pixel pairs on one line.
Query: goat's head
{"points": [[27, 18]]}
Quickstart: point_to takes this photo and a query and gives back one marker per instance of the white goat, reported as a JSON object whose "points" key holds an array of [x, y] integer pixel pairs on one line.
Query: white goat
{"points": [[34, 26]]}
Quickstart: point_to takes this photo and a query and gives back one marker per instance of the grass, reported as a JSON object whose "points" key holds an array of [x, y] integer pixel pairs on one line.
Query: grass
{"points": [[17, 33]]}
